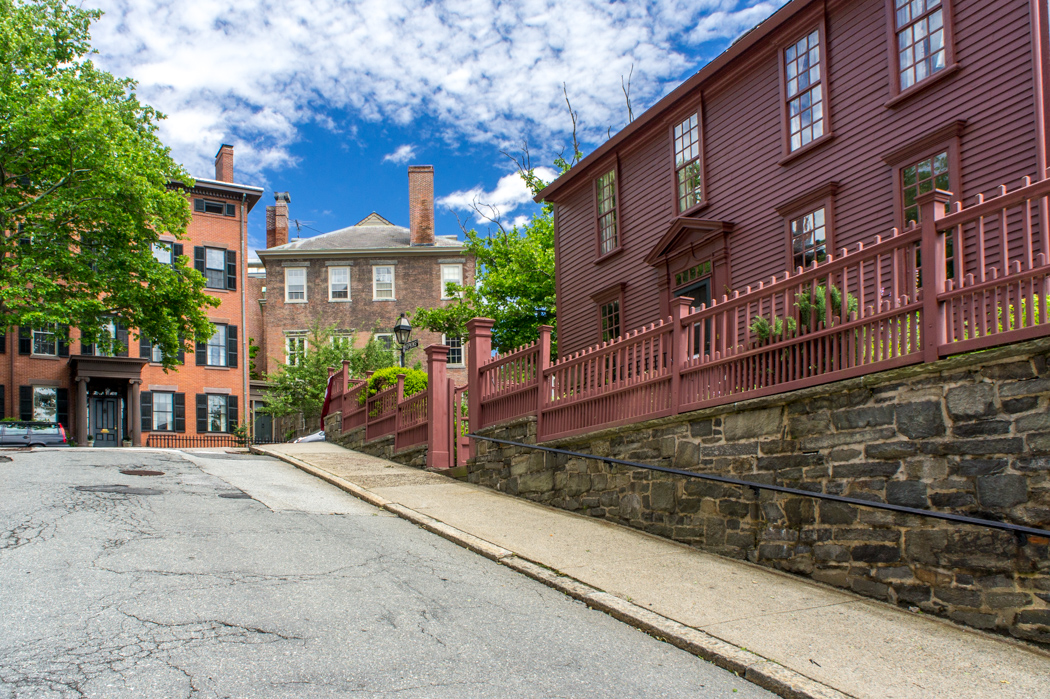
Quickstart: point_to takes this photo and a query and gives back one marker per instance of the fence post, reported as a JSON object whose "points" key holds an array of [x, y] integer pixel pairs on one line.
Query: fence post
{"points": [[368, 375], [543, 363], [931, 209], [479, 353], [680, 307], [438, 416]]}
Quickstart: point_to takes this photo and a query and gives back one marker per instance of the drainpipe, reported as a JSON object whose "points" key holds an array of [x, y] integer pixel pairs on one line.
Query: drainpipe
{"points": [[245, 364]]}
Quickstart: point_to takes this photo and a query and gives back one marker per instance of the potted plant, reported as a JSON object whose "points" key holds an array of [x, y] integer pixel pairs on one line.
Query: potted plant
{"points": [[91, 440], [126, 443]]}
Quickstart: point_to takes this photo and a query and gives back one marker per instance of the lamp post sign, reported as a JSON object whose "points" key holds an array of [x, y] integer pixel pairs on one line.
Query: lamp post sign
{"points": [[402, 329]]}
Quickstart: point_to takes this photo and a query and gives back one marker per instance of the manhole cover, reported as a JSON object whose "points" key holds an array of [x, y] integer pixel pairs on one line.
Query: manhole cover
{"points": [[142, 472], [122, 489], [236, 496]]}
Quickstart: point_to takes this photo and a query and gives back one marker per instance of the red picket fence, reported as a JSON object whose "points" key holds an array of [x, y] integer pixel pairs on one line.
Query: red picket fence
{"points": [[458, 423], [411, 428], [381, 413], [860, 311]]}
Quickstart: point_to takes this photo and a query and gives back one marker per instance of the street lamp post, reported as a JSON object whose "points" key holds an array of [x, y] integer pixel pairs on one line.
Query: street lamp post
{"points": [[402, 330]]}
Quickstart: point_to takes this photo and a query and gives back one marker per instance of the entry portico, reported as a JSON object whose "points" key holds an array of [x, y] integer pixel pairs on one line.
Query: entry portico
{"points": [[107, 403]]}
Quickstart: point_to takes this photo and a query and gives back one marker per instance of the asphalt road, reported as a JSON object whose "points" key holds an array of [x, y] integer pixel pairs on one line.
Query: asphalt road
{"points": [[239, 576]]}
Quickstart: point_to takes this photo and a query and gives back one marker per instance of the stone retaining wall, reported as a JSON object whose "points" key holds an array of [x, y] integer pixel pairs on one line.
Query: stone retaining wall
{"points": [[969, 435], [382, 447]]}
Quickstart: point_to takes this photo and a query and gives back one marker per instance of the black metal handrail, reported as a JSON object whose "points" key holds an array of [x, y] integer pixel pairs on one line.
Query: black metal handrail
{"points": [[1021, 531]]}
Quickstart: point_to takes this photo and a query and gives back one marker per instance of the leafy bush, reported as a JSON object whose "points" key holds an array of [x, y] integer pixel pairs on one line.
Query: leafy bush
{"points": [[415, 382], [810, 304]]}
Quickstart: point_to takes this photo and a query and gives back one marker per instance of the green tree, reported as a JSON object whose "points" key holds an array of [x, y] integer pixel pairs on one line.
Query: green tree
{"points": [[300, 387], [86, 189], [514, 278]]}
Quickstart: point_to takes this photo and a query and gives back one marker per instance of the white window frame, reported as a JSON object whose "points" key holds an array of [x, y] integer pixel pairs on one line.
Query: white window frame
{"points": [[459, 270], [343, 337], [287, 285], [162, 248], [331, 282], [220, 330], [225, 420], [170, 413], [380, 337], [462, 351], [221, 269], [292, 355], [375, 283], [156, 354], [44, 332]]}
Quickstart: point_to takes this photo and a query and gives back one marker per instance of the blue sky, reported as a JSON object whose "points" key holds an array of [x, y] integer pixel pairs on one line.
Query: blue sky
{"points": [[332, 100]]}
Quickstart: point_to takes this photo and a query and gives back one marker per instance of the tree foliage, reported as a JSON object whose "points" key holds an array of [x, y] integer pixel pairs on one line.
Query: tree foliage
{"points": [[415, 381], [85, 190], [301, 387]]}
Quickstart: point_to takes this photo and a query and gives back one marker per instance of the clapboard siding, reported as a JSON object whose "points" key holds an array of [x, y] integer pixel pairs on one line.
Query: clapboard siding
{"points": [[741, 114]]}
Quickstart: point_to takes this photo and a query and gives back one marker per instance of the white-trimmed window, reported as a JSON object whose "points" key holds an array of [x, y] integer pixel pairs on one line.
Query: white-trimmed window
{"points": [[382, 282], [385, 340], [218, 414], [163, 412], [294, 347], [455, 349], [687, 163], [338, 283], [44, 341], [921, 46], [451, 274], [162, 253], [156, 354], [217, 347], [803, 66], [343, 341], [45, 403], [215, 268], [295, 284]]}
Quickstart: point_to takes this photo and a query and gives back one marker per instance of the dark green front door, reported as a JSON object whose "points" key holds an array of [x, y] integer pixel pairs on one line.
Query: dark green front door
{"points": [[105, 422]]}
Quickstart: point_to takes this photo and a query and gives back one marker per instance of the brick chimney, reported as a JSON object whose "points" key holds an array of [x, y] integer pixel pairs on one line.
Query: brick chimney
{"points": [[224, 163], [277, 220], [421, 204]]}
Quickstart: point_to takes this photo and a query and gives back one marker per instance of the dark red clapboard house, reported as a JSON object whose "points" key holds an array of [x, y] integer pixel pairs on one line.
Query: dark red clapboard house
{"points": [[813, 132]]}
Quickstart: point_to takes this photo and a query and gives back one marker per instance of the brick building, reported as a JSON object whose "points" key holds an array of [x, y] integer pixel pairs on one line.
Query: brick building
{"points": [[358, 279], [122, 393]]}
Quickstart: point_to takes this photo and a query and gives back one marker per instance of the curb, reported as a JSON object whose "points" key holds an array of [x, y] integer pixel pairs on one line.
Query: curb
{"points": [[761, 671]]}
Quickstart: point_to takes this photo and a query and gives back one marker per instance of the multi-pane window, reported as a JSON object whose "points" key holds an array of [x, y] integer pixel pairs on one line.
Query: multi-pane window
{"points": [[608, 240], [695, 272], [455, 349], [922, 177], [156, 354], [450, 274], [920, 40], [295, 284], [107, 339], [610, 318], [382, 282], [343, 341], [164, 412], [385, 340], [215, 268], [207, 206], [162, 253], [44, 341], [216, 348], [805, 96], [217, 414], [687, 162], [45, 404], [338, 283], [295, 348], [809, 238]]}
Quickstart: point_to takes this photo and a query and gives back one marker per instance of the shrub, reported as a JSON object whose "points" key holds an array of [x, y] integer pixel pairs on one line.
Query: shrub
{"points": [[415, 381]]}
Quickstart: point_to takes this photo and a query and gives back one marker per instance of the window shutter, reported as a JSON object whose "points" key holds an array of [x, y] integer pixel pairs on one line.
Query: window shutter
{"points": [[201, 353], [63, 341], [122, 339], [198, 259], [231, 209], [180, 412], [146, 401], [3, 342], [202, 413], [25, 340], [145, 348], [62, 401], [231, 413], [182, 353], [198, 205], [25, 402], [176, 253], [231, 270], [3, 403], [231, 346]]}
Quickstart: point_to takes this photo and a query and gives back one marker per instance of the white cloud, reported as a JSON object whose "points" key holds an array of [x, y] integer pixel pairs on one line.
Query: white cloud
{"points": [[252, 72], [401, 155], [509, 194]]}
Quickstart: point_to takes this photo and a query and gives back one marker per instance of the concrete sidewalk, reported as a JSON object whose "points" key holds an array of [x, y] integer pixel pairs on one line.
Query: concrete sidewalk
{"points": [[792, 636]]}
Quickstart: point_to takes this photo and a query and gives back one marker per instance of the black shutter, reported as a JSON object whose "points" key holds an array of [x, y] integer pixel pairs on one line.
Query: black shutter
{"points": [[3, 342], [86, 347], [122, 339], [180, 412], [182, 354], [25, 402], [145, 348], [231, 270], [62, 396], [231, 346], [202, 354], [176, 253], [231, 209], [198, 259], [202, 413], [63, 341], [198, 205], [146, 401], [25, 340], [231, 413]]}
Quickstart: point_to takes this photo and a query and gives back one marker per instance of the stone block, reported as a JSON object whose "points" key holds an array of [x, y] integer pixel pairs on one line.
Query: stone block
{"points": [[953, 500], [1008, 445], [1030, 387], [920, 420], [869, 588], [687, 455], [1033, 423], [912, 594], [1034, 616], [1039, 442], [1006, 600], [890, 450], [662, 496], [1032, 464], [981, 428], [893, 573], [867, 534], [701, 428], [980, 467], [1020, 405], [906, 493], [1004, 490], [734, 508], [704, 489], [788, 461], [777, 446], [832, 576], [925, 545], [752, 424], [971, 402], [799, 511], [976, 620], [852, 438], [1013, 370], [870, 416], [775, 551], [846, 454], [875, 553], [866, 469], [741, 449], [958, 597], [831, 552], [811, 424], [837, 513], [741, 540], [630, 506]]}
